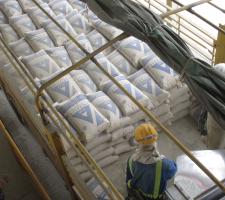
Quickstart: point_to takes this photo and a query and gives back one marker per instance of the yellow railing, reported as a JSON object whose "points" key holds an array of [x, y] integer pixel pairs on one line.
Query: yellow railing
{"points": [[74, 141]]}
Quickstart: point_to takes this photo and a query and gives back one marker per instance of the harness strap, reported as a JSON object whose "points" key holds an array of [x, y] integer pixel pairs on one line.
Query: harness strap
{"points": [[158, 175]]}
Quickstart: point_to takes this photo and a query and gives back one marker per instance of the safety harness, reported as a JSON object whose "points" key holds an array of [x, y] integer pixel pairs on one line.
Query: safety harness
{"points": [[158, 174]]}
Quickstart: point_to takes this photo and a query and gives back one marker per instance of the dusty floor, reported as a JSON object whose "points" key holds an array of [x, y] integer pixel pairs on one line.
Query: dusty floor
{"points": [[185, 130], [20, 186]]}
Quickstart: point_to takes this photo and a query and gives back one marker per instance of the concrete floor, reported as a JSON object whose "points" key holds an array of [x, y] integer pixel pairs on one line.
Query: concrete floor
{"points": [[185, 130], [20, 186]]}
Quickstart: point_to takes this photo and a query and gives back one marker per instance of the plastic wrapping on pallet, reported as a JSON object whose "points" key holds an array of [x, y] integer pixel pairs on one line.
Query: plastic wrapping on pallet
{"points": [[56, 34], [21, 48], [38, 16], [181, 106], [107, 30], [10, 8], [79, 22], [180, 114], [63, 89], [161, 109], [40, 64], [8, 33], [84, 81], [183, 98], [149, 87], [123, 102], [165, 76], [60, 56], [121, 63], [82, 114], [60, 7], [97, 40], [39, 40], [22, 24], [133, 49], [179, 91]]}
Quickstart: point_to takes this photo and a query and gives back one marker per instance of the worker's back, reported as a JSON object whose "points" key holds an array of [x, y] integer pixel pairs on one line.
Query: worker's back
{"points": [[150, 180]]}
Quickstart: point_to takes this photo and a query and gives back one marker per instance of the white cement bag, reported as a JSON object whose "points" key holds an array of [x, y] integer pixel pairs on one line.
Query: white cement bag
{"points": [[22, 24], [165, 76], [148, 86], [137, 116], [79, 22], [177, 92], [86, 176], [97, 75], [39, 39], [133, 49], [99, 148], [125, 132], [123, 102], [109, 109], [119, 141], [84, 81], [3, 19], [60, 7], [97, 40], [161, 109], [56, 34], [10, 8], [90, 16], [8, 33], [10, 74], [76, 54], [97, 189], [180, 115], [122, 148], [38, 16], [40, 64], [21, 48], [3, 59], [121, 63], [165, 117], [82, 114], [63, 89], [183, 98], [107, 152], [60, 56], [102, 138], [26, 4], [107, 30], [108, 161], [79, 5], [81, 168], [181, 106]]}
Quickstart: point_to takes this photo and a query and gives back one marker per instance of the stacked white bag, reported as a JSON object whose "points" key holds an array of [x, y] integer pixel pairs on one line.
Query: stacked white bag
{"points": [[168, 80]]}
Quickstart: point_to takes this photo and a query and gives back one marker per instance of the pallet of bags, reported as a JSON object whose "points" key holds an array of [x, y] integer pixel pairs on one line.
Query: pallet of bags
{"points": [[168, 80]]}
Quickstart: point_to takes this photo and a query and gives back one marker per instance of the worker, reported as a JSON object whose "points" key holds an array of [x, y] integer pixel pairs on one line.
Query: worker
{"points": [[147, 170]]}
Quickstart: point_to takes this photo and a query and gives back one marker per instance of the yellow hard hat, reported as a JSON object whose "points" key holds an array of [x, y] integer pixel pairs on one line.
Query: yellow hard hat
{"points": [[145, 134]]}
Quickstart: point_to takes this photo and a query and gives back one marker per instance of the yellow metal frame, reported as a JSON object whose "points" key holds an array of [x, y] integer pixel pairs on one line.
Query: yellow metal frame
{"points": [[73, 141], [220, 47]]}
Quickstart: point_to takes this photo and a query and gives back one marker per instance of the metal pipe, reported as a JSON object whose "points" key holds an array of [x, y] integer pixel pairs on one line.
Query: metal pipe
{"points": [[185, 7], [199, 16], [147, 112], [217, 7]]}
